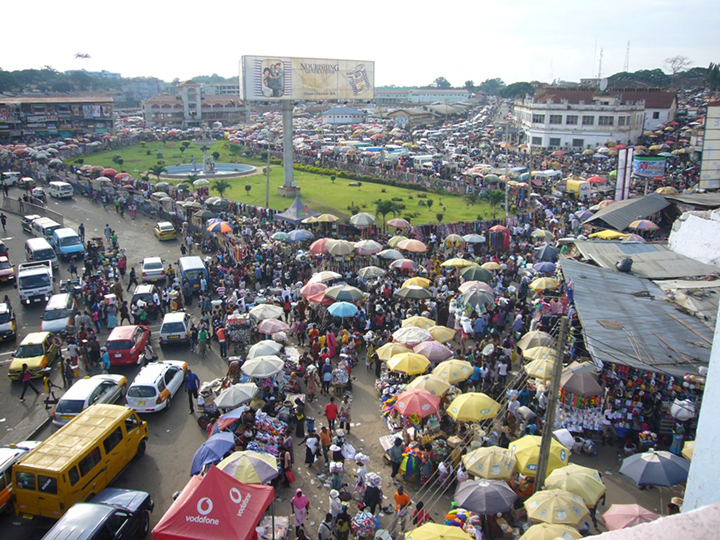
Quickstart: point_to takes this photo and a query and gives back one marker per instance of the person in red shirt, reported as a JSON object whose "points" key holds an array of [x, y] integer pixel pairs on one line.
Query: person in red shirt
{"points": [[420, 515], [331, 412], [221, 335]]}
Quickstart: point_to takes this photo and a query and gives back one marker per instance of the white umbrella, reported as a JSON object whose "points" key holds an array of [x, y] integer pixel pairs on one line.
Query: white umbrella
{"points": [[363, 219], [266, 311], [263, 366], [368, 247], [265, 347], [235, 395], [411, 336]]}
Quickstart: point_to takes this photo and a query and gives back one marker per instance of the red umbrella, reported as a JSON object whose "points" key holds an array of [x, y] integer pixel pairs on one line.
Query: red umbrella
{"points": [[318, 247], [620, 146], [558, 153], [20, 151], [311, 289], [669, 142], [122, 175], [498, 228], [404, 264], [596, 180], [108, 172], [417, 401]]}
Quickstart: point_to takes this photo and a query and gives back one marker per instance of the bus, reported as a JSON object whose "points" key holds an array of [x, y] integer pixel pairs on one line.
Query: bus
{"points": [[78, 461], [193, 269]]}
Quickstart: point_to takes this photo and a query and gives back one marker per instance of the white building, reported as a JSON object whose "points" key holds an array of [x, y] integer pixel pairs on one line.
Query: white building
{"points": [[339, 116], [710, 164], [433, 95], [221, 89]]}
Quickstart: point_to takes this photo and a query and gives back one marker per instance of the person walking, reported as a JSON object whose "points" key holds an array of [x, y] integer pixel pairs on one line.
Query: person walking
{"points": [[133, 279], [221, 335], [325, 529], [331, 413], [402, 508], [3, 220], [81, 232], [396, 458], [300, 504], [26, 378], [202, 342], [192, 387], [105, 360]]}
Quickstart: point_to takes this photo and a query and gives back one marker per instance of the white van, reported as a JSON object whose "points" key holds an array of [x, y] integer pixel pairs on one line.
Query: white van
{"points": [[10, 178], [39, 249], [61, 190], [44, 228], [59, 314], [175, 328]]}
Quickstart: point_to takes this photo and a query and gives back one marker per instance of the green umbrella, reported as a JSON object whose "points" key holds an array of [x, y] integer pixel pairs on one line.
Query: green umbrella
{"points": [[476, 273]]}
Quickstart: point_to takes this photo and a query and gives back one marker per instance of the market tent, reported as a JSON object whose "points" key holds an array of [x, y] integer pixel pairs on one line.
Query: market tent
{"points": [[296, 213], [215, 506]]}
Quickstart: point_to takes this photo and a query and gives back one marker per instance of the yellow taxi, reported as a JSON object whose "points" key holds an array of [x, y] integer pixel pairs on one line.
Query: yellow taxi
{"points": [[37, 351], [165, 230]]}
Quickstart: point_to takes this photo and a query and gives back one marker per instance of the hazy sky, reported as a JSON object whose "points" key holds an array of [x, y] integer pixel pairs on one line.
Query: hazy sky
{"points": [[411, 43]]}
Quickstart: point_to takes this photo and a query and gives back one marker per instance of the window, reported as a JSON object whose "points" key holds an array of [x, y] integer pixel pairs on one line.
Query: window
{"points": [[605, 121], [555, 141], [656, 115], [131, 423], [89, 462], [112, 440], [578, 143], [556, 118], [571, 119], [47, 484], [621, 121], [73, 476], [25, 480], [538, 118], [4, 478], [588, 120], [537, 141]]}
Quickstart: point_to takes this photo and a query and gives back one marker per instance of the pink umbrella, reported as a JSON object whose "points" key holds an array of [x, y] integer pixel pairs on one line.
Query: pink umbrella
{"points": [[312, 289], [621, 516], [414, 246], [318, 247], [272, 326], [108, 172], [404, 264], [417, 401], [433, 351], [596, 180], [400, 223]]}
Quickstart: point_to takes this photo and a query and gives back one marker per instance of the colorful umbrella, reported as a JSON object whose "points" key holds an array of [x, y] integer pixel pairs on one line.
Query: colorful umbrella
{"points": [[485, 496], [596, 180], [549, 531], [643, 225], [400, 223], [220, 227], [408, 363], [543, 234], [417, 281], [545, 267], [453, 371], [363, 219], [262, 367], [608, 234], [434, 531], [499, 229], [452, 240], [431, 383], [318, 247], [212, 451], [490, 462], [344, 293], [326, 218], [527, 451], [325, 275], [556, 506], [582, 481], [411, 336], [343, 310], [312, 289], [473, 407], [417, 401], [433, 351], [387, 351], [443, 334], [472, 285], [418, 322], [403, 264], [457, 262], [622, 516], [250, 467], [395, 240], [272, 326], [367, 247], [281, 236], [414, 246], [300, 235], [656, 468]]}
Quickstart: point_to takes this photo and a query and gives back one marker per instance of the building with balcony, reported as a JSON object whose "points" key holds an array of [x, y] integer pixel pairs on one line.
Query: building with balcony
{"points": [[339, 116], [191, 108], [55, 116]]}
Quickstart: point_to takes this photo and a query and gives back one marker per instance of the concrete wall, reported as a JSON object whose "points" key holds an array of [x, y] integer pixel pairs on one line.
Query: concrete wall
{"points": [[697, 235]]}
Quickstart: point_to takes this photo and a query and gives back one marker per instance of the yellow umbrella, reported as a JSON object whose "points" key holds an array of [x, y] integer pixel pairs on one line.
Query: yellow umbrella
{"points": [[418, 281], [688, 449], [541, 233], [666, 190], [588, 152], [527, 450], [539, 353], [457, 262], [395, 240], [453, 370], [547, 531], [454, 239], [443, 334], [433, 531], [540, 369], [435, 385], [582, 481], [490, 462], [608, 234], [473, 407], [556, 506], [418, 322], [543, 284], [655, 147], [408, 363], [326, 218], [387, 351], [311, 219], [491, 265], [247, 466]]}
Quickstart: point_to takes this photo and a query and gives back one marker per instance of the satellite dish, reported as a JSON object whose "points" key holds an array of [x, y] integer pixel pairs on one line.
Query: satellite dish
{"points": [[603, 84]]}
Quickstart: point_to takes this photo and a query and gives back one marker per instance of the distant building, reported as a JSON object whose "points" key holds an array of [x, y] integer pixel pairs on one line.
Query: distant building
{"points": [[102, 74], [63, 116], [190, 108], [222, 89], [710, 163], [391, 97], [142, 88], [432, 95], [412, 117], [339, 116]]}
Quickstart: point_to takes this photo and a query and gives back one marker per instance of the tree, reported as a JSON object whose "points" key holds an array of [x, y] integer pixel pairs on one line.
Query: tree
{"points": [[470, 86], [429, 203], [332, 178], [384, 207], [677, 64], [442, 82], [491, 86], [182, 149], [185, 144], [439, 217], [517, 90], [713, 76], [221, 186], [248, 187], [494, 197], [471, 198], [216, 155], [157, 170]]}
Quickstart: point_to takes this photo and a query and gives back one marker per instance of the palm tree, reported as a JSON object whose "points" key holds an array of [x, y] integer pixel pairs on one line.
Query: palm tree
{"points": [[383, 208], [221, 186], [192, 177], [157, 170]]}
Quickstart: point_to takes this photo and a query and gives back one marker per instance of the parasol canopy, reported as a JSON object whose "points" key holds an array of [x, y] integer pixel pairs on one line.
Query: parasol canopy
{"points": [[453, 370], [473, 407], [490, 462], [262, 367], [417, 402]]}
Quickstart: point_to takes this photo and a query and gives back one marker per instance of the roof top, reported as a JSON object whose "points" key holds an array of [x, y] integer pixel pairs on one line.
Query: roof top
{"points": [[621, 214], [652, 261], [296, 212], [56, 99], [632, 324], [343, 110], [699, 298], [703, 200], [655, 98], [35, 337]]}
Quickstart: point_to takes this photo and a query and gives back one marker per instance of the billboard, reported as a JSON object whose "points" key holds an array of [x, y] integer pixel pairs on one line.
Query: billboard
{"points": [[274, 78], [648, 167], [710, 164]]}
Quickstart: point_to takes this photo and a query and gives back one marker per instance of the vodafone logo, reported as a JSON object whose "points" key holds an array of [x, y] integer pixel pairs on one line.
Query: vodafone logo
{"points": [[235, 496], [205, 506]]}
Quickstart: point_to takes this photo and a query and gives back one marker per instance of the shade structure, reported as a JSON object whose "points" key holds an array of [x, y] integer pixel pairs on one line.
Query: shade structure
{"points": [[469, 286], [325, 275], [344, 293], [656, 468], [318, 247], [622, 516], [411, 336], [556, 506], [581, 379], [395, 240], [608, 234], [491, 265], [536, 338], [547, 253], [212, 451], [478, 298], [408, 363], [457, 262], [417, 281], [220, 227], [312, 289], [262, 367], [435, 531], [392, 254], [413, 246], [387, 351], [475, 273], [363, 219], [443, 334], [545, 267], [367, 247], [545, 284], [371, 272], [431, 383], [452, 240], [413, 292], [549, 531], [433, 351], [418, 322], [498, 229], [474, 238], [542, 368], [417, 402], [485, 496], [266, 311], [453, 371], [343, 309], [403, 264], [266, 347], [543, 234], [688, 449], [215, 502], [326, 218], [400, 223], [235, 395], [340, 248], [300, 235], [272, 326], [311, 219], [582, 481], [473, 407], [490, 462], [281, 236], [643, 225], [527, 450], [250, 467]]}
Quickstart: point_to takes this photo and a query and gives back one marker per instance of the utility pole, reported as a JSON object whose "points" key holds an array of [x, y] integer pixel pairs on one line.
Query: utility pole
{"points": [[267, 176], [552, 407]]}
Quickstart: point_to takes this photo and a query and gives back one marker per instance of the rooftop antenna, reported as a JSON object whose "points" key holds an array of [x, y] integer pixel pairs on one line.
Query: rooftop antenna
{"points": [[627, 58], [594, 58], [599, 76]]}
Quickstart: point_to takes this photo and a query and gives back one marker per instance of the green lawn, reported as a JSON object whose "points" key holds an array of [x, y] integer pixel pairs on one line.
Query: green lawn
{"points": [[318, 191]]}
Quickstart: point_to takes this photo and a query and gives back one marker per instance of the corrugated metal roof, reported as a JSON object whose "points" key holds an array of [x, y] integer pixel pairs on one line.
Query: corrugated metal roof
{"points": [[701, 200], [622, 213], [627, 320], [699, 298], [652, 261]]}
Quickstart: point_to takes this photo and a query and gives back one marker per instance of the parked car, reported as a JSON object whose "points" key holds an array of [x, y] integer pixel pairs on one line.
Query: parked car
{"points": [[7, 270], [27, 222], [165, 230], [85, 392], [155, 386], [117, 514], [37, 351], [9, 455], [126, 343], [153, 270]]}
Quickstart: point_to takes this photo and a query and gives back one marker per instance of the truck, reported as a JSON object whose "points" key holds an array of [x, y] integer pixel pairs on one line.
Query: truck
{"points": [[35, 281]]}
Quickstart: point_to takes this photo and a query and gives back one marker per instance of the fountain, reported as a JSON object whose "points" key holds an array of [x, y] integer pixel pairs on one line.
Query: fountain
{"points": [[209, 170]]}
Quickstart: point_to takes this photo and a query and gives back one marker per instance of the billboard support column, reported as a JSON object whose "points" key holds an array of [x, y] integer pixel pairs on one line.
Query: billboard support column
{"points": [[289, 182]]}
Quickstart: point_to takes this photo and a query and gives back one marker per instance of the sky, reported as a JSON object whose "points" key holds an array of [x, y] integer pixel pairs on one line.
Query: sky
{"points": [[410, 43]]}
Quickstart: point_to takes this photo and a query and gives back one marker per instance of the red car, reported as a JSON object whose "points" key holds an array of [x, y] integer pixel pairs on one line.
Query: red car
{"points": [[126, 343]]}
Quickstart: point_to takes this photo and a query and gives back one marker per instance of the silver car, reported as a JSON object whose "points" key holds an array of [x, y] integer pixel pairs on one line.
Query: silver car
{"points": [[87, 392], [153, 270]]}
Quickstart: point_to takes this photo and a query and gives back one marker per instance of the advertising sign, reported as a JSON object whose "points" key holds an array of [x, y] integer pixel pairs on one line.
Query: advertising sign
{"points": [[710, 164], [273, 78], [648, 167]]}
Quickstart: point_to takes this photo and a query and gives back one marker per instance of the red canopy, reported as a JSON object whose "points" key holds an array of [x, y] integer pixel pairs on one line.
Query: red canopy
{"points": [[215, 506]]}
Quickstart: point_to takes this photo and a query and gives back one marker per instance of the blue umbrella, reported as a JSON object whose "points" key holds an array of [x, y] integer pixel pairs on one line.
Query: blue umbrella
{"points": [[212, 451], [584, 214], [656, 468], [213, 221], [600, 156], [282, 236], [298, 235], [343, 309], [545, 267], [546, 253]]}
